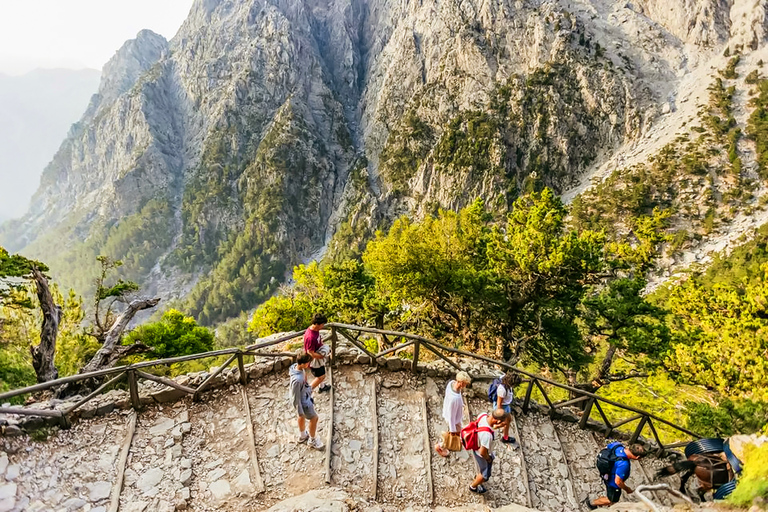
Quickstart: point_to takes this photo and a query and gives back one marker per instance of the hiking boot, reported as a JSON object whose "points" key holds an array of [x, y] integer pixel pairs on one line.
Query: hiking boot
{"points": [[508, 440], [589, 504], [325, 388], [480, 489], [304, 437], [316, 443]]}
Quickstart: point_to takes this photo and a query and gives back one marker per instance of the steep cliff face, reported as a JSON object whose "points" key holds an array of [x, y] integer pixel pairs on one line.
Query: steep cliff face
{"points": [[267, 132]]}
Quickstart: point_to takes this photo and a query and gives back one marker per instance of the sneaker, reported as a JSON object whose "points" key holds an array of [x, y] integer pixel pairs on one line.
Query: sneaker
{"points": [[508, 440], [303, 437], [480, 489], [589, 504], [316, 443], [323, 389]]}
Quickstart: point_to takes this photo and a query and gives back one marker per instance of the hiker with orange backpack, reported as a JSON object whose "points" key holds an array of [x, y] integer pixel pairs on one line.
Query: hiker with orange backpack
{"points": [[478, 437]]}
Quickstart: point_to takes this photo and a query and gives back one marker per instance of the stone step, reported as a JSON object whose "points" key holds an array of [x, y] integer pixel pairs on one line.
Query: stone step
{"points": [[157, 459], [581, 450], [289, 468], [548, 476], [353, 442], [71, 470], [507, 484], [402, 459], [220, 476]]}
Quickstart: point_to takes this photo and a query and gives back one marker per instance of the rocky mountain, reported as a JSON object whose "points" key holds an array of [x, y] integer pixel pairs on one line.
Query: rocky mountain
{"points": [[36, 109], [270, 132]]}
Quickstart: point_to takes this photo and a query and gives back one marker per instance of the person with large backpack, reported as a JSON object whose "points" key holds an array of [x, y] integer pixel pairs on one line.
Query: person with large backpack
{"points": [[501, 393], [614, 467], [478, 437]]}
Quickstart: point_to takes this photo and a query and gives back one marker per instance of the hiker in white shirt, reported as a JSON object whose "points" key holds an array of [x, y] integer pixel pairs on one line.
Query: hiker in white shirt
{"points": [[484, 454], [453, 407]]}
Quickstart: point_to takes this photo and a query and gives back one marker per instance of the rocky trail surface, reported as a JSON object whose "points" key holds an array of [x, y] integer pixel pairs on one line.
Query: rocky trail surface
{"points": [[219, 453]]}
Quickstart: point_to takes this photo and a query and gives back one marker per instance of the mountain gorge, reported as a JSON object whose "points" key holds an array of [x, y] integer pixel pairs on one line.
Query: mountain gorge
{"points": [[267, 133]]}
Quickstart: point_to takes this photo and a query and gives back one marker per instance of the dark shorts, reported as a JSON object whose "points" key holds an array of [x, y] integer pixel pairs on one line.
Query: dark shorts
{"points": [[309, 412], [613, 493], [483, 466], [318, 372]]}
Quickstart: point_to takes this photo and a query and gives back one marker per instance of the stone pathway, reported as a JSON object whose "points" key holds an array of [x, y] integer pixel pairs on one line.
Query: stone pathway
{"points": [[581, 450], [217, 450], [402, 460], [72, 470], [197, 455], [353, 443], [547, 469], [158, 470]]}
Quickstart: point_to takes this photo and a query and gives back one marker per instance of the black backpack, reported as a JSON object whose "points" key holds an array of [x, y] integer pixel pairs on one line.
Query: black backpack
{"points": [[606, 460]]}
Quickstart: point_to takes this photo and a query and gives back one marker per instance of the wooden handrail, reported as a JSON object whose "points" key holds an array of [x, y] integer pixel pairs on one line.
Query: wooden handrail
{"points": [[431, 345], [144, 364], [503, 364]]}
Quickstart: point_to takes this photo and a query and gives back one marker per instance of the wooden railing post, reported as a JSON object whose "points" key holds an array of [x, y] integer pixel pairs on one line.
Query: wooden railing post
{"points": [[638, 430], [585, 414], [334, 340], [241, 368], [415, 364], [527, 399], [133, 387]]}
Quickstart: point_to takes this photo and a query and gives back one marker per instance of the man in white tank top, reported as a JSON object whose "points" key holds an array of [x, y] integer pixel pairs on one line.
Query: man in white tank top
{"points": [[453, 407]]}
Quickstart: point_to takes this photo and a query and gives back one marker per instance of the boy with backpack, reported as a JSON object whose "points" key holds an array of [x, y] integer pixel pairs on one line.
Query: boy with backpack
{"points": [[501, 394], [318, 351], [614, 466], [478, 437]]}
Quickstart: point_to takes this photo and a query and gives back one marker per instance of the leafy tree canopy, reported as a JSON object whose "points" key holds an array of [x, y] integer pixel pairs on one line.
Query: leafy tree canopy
{"points": [[174, 335]]}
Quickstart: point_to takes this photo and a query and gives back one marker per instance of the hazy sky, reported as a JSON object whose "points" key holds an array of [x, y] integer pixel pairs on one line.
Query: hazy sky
{"points": [[78, 33]]}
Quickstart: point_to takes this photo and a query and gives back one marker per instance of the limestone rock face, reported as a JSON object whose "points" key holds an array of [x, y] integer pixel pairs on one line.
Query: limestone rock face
{"points": [[214, 162]]}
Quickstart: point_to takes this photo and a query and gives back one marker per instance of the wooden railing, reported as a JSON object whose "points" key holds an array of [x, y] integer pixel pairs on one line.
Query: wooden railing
{"points": [[590, 401], [352, 333], [134, 372]]}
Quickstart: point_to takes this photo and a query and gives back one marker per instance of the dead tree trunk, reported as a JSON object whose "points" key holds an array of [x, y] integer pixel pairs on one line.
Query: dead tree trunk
{"points": [[111, 350], [43, 354]]}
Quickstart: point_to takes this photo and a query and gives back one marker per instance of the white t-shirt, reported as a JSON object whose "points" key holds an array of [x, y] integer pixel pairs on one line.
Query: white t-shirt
{"points": [[484, 438], [453, 406], [506, 398]]}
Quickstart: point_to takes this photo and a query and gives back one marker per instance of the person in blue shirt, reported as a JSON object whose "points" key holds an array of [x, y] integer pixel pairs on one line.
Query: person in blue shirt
{"points": [[615, 481]]}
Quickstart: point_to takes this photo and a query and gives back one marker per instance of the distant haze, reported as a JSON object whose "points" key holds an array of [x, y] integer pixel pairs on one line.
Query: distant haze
{"points": [[36, 111], [78, 34], [73, 39]]}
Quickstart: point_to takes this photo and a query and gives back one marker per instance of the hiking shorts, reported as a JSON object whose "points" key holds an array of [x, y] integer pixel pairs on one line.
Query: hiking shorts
{"points": [[318, 372], [483, 466], [613, 493], [309, 412], [507, 408]]}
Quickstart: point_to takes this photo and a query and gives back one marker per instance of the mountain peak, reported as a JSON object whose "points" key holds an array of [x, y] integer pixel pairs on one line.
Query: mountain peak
{"points": [[133, 59]]}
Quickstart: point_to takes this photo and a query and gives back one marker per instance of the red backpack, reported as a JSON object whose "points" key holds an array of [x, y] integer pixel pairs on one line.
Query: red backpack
{"points": [[469, 434]]}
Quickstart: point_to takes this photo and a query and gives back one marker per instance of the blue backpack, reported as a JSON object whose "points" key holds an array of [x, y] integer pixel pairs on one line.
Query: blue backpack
{"points": [[493, 388]]}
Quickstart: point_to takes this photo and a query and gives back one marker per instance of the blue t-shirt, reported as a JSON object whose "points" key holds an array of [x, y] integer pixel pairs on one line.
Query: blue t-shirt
{"points": [[621, 467]]}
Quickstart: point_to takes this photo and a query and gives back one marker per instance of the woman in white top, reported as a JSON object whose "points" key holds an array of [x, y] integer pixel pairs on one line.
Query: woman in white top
{"points": [[505, 394], [453, 407]]}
